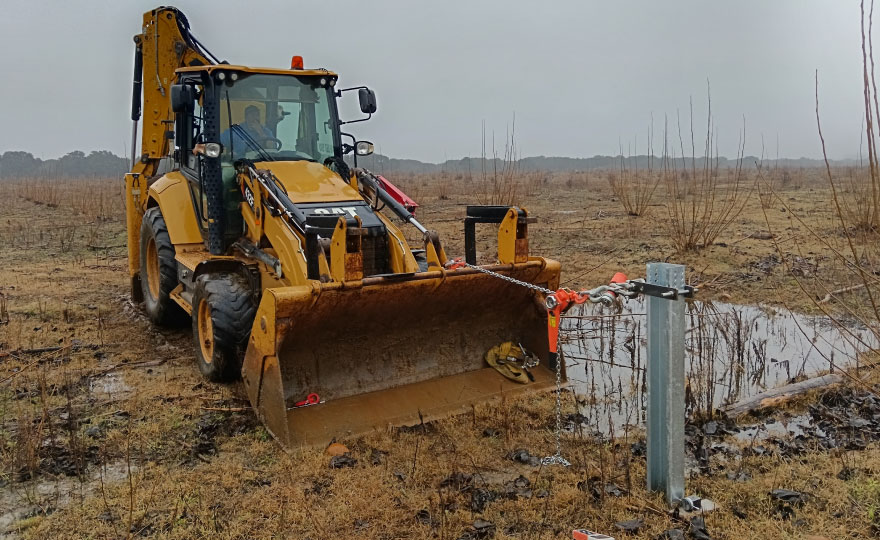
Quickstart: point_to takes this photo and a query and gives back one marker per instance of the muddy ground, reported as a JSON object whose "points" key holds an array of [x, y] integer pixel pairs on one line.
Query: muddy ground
{"points": [[107, 429]]}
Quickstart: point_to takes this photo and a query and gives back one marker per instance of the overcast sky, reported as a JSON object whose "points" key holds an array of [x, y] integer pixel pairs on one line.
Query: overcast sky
{"points": [[581, 77]]}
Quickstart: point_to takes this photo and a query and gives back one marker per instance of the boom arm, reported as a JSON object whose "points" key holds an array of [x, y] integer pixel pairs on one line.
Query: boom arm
{"points": [[164, 45]]}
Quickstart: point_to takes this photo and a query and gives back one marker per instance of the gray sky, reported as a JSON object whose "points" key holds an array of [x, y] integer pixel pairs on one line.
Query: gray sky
{"points": [[581, 77]]}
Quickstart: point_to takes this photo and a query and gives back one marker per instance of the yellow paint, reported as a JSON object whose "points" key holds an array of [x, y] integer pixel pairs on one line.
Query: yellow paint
{"points": [[513, 245], [181, 301], [135, 195], [174, 198], [160, 34], [191, 258], [289, 249], [400, 255], [253, 218], [308, 182]]}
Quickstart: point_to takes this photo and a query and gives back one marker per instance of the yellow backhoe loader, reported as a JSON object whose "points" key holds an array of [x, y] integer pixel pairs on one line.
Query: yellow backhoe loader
{"points": [[245, 219]]}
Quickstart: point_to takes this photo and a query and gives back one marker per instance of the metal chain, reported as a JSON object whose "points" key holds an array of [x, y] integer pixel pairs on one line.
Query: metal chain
{"points": [[557, 458], [525, 284]]}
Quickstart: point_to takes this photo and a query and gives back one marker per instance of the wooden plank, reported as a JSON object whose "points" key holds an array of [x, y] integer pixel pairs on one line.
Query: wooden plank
{"points": [[777, 396]]}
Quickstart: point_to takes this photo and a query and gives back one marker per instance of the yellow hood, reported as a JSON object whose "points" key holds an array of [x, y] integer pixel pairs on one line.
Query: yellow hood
{"points": [[308, 182]]}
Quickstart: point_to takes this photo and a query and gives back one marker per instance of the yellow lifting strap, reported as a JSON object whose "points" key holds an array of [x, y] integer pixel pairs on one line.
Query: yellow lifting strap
{"points": [[512, 361]]}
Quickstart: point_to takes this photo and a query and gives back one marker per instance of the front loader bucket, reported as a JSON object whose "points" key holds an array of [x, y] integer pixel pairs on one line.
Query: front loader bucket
{"points": [[391, 351]]}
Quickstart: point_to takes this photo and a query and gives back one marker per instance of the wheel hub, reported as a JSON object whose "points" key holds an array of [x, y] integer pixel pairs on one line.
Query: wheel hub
{"points": [[206, 332], [153, 268]]}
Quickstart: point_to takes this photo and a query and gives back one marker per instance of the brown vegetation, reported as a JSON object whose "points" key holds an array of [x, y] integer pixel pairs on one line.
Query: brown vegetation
{"points": [[107, 429]]}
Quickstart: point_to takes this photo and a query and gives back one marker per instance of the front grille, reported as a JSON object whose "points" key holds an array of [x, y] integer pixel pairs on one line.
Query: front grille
{"points": [[375, 250]]}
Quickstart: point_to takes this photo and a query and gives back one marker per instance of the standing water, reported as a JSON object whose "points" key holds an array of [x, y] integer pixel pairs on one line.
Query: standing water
{"points": [[732, 352]]}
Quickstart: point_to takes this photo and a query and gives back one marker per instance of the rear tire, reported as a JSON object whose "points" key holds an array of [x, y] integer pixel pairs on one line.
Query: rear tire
{"points": [[158, 271], [222, 316]]}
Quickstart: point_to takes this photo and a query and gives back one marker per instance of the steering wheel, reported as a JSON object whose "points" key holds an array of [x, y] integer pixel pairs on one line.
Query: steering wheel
{"points": [[277, 142]]}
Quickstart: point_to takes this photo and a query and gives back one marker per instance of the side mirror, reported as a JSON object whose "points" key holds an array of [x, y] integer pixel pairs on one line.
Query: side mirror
{"points": [[368, 100], [363, 148], [182, 98]]}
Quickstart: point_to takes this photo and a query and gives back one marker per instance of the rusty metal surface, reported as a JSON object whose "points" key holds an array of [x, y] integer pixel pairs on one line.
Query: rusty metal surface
{"points": [[435, 398], [416, 345]]}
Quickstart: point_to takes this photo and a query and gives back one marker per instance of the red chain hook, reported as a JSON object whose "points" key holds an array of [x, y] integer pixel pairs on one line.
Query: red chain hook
{"points": [[563, 299]]}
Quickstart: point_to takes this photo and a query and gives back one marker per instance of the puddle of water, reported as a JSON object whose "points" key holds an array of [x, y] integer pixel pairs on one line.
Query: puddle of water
{"points": [[732, 352], [20, 500], [801, 425], [111, 385]]}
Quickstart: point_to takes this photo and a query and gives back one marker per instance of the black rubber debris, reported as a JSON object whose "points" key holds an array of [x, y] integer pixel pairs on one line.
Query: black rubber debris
{"points": [[630, 526], [521, 455], [345, 460], [697, 529]]}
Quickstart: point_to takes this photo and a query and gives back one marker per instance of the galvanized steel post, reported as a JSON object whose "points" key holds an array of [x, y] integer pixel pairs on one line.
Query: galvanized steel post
{"points": [[666, 331]]}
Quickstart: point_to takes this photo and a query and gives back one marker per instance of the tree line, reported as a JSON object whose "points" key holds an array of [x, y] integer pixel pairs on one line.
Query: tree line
{"points": [[105, 164], [76, 164]]}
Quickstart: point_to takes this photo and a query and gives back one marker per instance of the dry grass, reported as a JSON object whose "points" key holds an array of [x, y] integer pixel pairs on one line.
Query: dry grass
{"points": [[160, 466], [98, 198]]}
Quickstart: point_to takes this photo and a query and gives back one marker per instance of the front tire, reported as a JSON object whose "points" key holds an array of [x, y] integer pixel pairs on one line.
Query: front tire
{"points": [[158, 271], [223, 313]]}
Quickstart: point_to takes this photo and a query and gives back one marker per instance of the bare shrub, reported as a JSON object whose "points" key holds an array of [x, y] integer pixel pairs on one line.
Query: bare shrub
{"points": [[859, 220], [700, 205], [856, 198], [849, 295], [533, 183], [767, 190], [635, 188], [499, 179]]}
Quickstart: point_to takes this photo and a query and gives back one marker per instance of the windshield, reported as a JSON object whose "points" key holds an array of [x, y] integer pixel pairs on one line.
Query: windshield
{"points": [[276, 117]]}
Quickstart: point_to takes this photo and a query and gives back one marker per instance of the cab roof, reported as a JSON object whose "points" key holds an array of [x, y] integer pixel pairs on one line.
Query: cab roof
{"points": [[269, 71]]}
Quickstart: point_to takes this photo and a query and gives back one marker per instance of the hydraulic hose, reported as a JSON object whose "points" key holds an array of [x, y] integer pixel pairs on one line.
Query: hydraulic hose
{"points": [[370, 180], [137, 83]]}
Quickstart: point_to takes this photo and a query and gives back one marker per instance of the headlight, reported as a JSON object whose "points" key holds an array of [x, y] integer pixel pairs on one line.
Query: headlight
{"points": [[212, 149], [363, 148]]}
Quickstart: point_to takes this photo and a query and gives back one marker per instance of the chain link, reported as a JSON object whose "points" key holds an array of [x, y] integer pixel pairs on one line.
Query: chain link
{"points": [[525, 284], [557, 458]]}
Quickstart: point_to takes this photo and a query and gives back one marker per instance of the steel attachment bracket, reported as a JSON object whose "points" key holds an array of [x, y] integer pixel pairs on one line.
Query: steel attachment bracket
{"points": [[660, 291]]}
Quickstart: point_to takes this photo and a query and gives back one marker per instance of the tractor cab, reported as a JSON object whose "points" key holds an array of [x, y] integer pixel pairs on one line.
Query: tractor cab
{"points": [[261, 115]]}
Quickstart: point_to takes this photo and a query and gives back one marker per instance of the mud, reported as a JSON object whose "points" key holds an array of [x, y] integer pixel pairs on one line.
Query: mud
{"points": [[110, 386], [40, 497], [211, 428], [841, 418]]}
